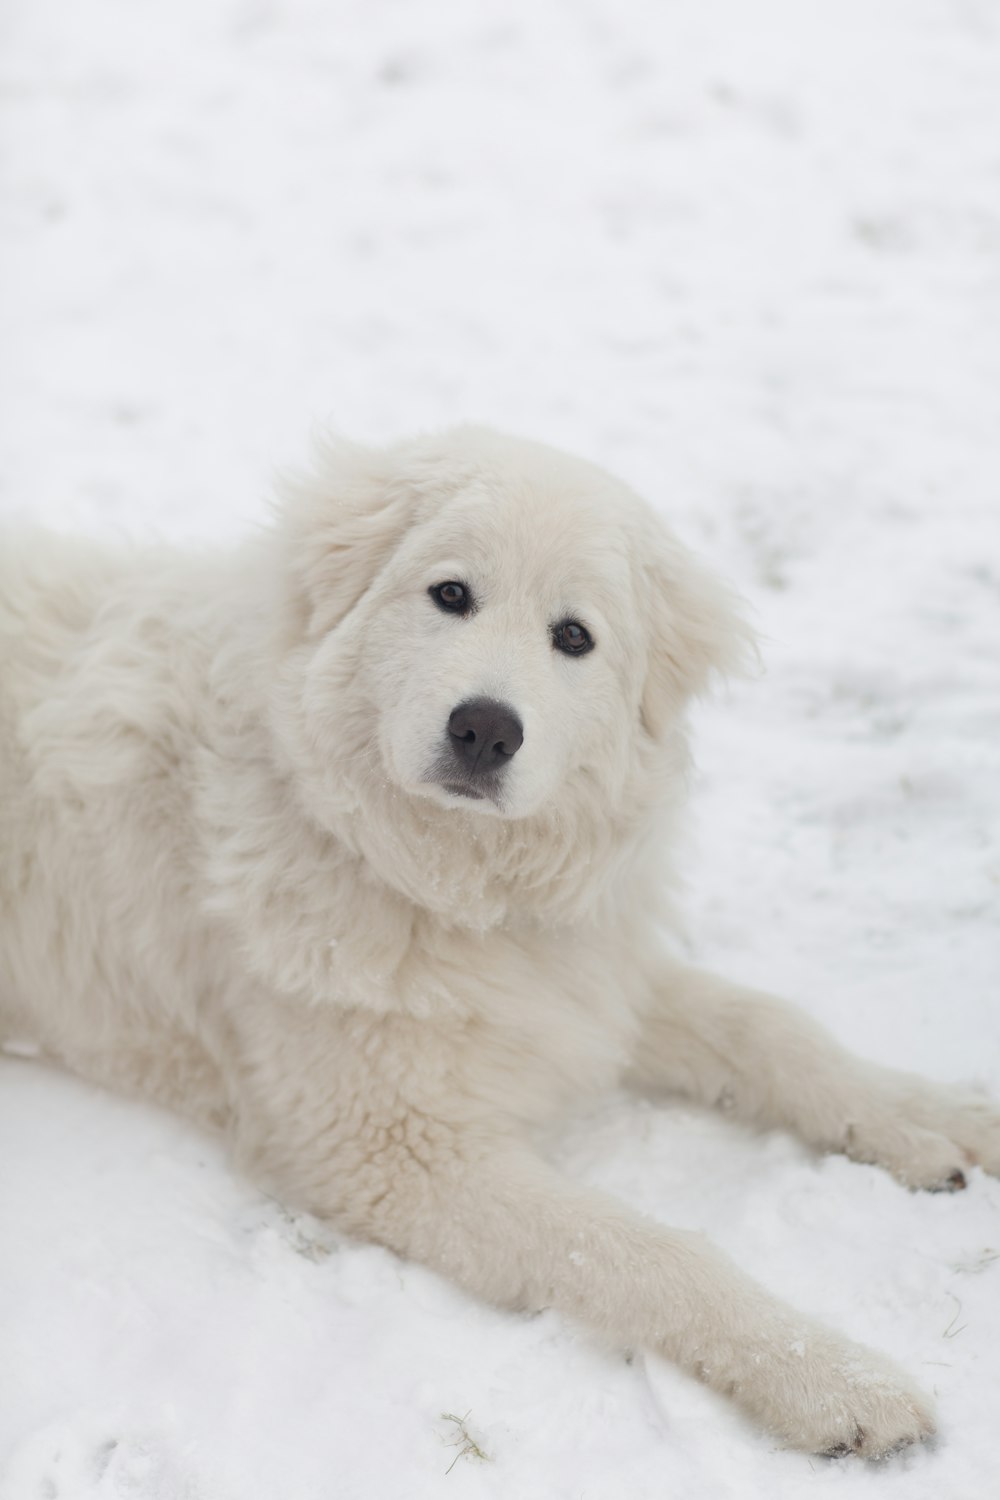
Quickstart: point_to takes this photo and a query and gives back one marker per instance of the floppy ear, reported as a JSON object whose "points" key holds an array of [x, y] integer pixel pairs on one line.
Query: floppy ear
{"points": [[338, 522], [698, 630]]}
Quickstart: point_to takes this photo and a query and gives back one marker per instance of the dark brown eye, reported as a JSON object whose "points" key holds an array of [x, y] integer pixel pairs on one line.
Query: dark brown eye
{"points": [[572, 638], [453, 597]]}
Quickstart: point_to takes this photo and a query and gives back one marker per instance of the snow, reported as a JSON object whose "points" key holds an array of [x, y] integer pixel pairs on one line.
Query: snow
{"points": [[744, 255]]}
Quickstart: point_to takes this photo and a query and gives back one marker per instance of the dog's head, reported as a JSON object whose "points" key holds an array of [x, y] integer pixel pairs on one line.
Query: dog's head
{"points": [[479, 630]]}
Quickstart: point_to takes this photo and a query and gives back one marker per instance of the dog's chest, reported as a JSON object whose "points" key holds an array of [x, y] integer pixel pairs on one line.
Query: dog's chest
{"points": [[552, 1022]]}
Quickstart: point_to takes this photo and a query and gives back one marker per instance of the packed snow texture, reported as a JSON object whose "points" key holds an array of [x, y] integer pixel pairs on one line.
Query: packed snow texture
{"points": [[745, 255]]}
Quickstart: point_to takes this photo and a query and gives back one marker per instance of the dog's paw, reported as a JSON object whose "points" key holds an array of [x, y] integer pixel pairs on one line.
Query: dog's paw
{"points": [[925, 1135], [826, 1395]]}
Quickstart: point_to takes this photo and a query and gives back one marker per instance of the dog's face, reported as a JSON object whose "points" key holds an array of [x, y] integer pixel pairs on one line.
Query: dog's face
{"points": [[487, 630], [504, 647]]}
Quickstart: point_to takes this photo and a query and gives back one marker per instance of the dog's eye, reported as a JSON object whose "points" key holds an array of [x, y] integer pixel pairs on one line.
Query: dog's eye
{"points": [[453, 597], [572, 638]]}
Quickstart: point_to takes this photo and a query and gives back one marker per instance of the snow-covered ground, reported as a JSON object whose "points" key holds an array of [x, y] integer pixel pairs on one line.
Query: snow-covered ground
{"points": [[748, 256]]}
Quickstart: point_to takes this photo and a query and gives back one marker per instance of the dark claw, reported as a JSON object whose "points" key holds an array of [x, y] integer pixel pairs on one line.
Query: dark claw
{"points": [[842, 1450]]}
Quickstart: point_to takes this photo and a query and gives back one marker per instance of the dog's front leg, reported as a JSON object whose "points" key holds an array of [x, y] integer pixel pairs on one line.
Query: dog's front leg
{"points": [[769, 1063], [436, 1180]]}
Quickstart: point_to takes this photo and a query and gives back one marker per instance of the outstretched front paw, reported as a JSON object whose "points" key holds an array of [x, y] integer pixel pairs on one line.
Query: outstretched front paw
{"points": [[834, 1397], [924, 1134]]}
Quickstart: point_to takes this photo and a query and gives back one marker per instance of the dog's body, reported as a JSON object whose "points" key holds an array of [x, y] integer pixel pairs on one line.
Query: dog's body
{"points": [[332, 841]]}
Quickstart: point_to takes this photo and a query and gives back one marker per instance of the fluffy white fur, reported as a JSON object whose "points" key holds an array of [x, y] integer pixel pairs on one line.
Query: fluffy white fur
{"points": [[226, 883]]}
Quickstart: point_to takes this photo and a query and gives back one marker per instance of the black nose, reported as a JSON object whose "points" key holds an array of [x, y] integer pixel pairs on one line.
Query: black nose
{"points": [[484, 734]]}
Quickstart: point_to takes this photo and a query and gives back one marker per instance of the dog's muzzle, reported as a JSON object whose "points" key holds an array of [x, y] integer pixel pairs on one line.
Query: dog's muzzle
{"points": [[482, 739]]}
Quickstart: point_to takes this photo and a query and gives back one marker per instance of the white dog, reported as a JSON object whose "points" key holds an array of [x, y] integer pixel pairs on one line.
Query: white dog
{"points": [[354, 840]]}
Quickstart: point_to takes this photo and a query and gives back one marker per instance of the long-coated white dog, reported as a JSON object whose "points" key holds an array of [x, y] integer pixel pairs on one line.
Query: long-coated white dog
{"points": [[356, 840]]}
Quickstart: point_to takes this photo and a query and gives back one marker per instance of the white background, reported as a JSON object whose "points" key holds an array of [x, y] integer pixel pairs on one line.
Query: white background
{"points": [[745, 254]]}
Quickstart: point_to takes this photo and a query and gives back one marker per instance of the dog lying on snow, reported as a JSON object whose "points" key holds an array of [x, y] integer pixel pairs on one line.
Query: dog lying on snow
{"points": [[353, 841]]}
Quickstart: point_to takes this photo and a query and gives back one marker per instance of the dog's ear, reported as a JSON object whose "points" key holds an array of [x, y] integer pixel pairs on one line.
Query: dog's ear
{"points": [[339, 522], [698, 630]]}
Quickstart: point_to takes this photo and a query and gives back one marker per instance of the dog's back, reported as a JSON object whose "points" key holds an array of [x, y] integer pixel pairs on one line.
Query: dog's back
{"points": [[100, 683]]}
